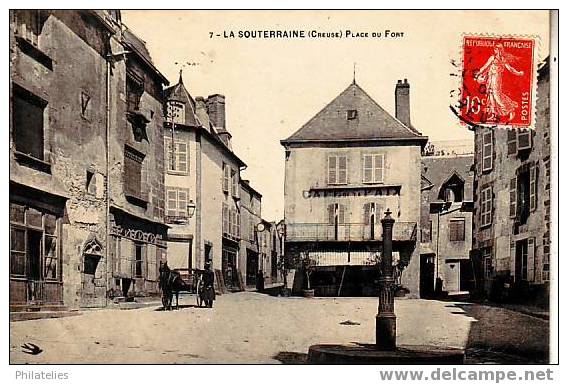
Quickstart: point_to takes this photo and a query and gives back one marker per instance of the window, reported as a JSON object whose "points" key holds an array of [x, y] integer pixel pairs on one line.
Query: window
{"points": [[337, 169], [139, 249], [487, 262], [486, 202], [351, 114], [28, 25], [176, 155], [34, 245], [518, 140], [533, 187], [487, 153], [134, 91], [371, 217], [524, 260], [523, 196], [336, 219], [511, 141], [27, 123], [457, 230], [373, 168], [177, 199], [133, 172], [234, 183], [226, 176], [524, 139], [546, 267], [176, 112]]}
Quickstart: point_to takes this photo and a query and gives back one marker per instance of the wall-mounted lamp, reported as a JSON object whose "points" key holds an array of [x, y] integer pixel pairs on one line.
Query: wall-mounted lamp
{"points": [[190, 209]]}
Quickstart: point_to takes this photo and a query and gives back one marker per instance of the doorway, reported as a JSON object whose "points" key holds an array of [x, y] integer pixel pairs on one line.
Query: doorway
{"points": [[252, 267], [427, 276], [33, 271]]}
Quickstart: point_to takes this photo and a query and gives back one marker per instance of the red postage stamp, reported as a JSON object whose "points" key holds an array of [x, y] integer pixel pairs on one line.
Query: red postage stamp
{"points": [[498, 81]]}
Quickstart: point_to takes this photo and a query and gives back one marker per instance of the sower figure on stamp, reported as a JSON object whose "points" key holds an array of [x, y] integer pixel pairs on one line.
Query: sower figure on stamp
{"points": [[499, 104], [208, 294]]}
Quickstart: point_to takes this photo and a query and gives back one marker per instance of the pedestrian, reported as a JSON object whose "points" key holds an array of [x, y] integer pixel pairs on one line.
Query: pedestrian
{"points": [[208, 285]]}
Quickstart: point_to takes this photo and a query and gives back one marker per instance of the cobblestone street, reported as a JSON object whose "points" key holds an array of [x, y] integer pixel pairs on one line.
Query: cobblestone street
{"points": [[254, 328]]}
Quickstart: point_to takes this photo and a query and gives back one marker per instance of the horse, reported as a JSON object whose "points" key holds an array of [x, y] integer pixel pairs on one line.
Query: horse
{"points": [[171, 283]]}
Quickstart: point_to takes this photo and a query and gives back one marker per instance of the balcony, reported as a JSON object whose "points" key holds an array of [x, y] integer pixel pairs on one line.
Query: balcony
{"points": [[402, 231]]}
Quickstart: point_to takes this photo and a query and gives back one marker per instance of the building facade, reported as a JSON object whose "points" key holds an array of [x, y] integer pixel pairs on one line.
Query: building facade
{"points": [[202, 172], [343, 169], [511, 231], [67, 139], [446, 224]]}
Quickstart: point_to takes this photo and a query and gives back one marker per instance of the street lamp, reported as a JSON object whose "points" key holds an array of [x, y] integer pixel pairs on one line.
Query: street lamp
{"points": [[190, 209]]}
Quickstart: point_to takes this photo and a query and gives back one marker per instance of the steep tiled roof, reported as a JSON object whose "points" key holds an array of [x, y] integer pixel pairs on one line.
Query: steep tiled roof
{"points": [[372, 122], [179, 93], [439, 169], [139, 47]]}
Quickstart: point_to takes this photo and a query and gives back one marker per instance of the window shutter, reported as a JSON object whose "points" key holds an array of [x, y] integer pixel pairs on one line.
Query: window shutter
{"points": [[342, 170], [341, 214], [151, 257], [331, 214], [182, 203], [168, 152], [524, 139], [181, 164], [332, 170], [379, 164], [490, 204], [513, 198], [171, 202], [487, 151], [512, 256], [366, 213], [511, 141], [225, 219], [379, 212], [479, 152], [367, 168], [533, 187], [531, 259]]}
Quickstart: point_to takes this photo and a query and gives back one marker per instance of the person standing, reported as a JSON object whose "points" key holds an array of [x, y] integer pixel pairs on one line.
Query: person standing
{"points": [[208, 285]]}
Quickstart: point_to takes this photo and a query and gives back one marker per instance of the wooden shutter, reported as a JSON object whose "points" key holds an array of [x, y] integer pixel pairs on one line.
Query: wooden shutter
{"points": [[366, 213], [511, 141], [512, 261], [513, 198], [332, 170], [378, 168], [490, 204], [168, 152], [225, 215], [331, 214], [182, 202], [533, 187], [152, 257], [181, 157], [524, 139], [171, 206], [342, 169], [487, 151], [367, 168], [341, 215], [531, 259]]}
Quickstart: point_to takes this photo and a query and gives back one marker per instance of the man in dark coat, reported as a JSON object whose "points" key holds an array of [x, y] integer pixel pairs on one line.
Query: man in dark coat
{"points": [[208, 286]]}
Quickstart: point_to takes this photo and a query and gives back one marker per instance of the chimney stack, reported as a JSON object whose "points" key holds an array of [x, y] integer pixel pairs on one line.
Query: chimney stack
{"points": [[216, 111], [402, 101]]}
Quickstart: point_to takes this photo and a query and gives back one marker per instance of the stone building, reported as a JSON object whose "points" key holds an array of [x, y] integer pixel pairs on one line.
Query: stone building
{"points": [[68, 132], [446, 224], [343, 169], [511, 222], [203, 172], [251, 258]]}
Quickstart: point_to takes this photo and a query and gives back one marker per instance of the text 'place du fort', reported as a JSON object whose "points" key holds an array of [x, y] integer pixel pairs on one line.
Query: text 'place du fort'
{"points": [[114, 172]]}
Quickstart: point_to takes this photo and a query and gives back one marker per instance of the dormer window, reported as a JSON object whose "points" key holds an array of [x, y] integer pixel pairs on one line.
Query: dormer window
{"points": [[176, 112], [351, 114], [452, 190]]}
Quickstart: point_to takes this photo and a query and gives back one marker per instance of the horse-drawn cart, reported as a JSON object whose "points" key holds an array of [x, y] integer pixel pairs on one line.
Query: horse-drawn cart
{"points": [[172, 282]]}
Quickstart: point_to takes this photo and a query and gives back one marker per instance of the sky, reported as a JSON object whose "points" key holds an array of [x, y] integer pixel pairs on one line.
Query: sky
{"points": [[274, 86]]}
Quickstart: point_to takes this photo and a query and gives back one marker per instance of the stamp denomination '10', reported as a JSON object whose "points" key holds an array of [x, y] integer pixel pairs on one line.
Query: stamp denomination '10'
{"points": [[498, 81]]}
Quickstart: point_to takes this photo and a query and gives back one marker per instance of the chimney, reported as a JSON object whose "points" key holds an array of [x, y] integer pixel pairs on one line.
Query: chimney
{"points": [[216, 111], [402, 101]]}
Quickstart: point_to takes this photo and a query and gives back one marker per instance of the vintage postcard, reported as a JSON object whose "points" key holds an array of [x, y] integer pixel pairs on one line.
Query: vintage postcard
{"points": [[293, 186]]}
